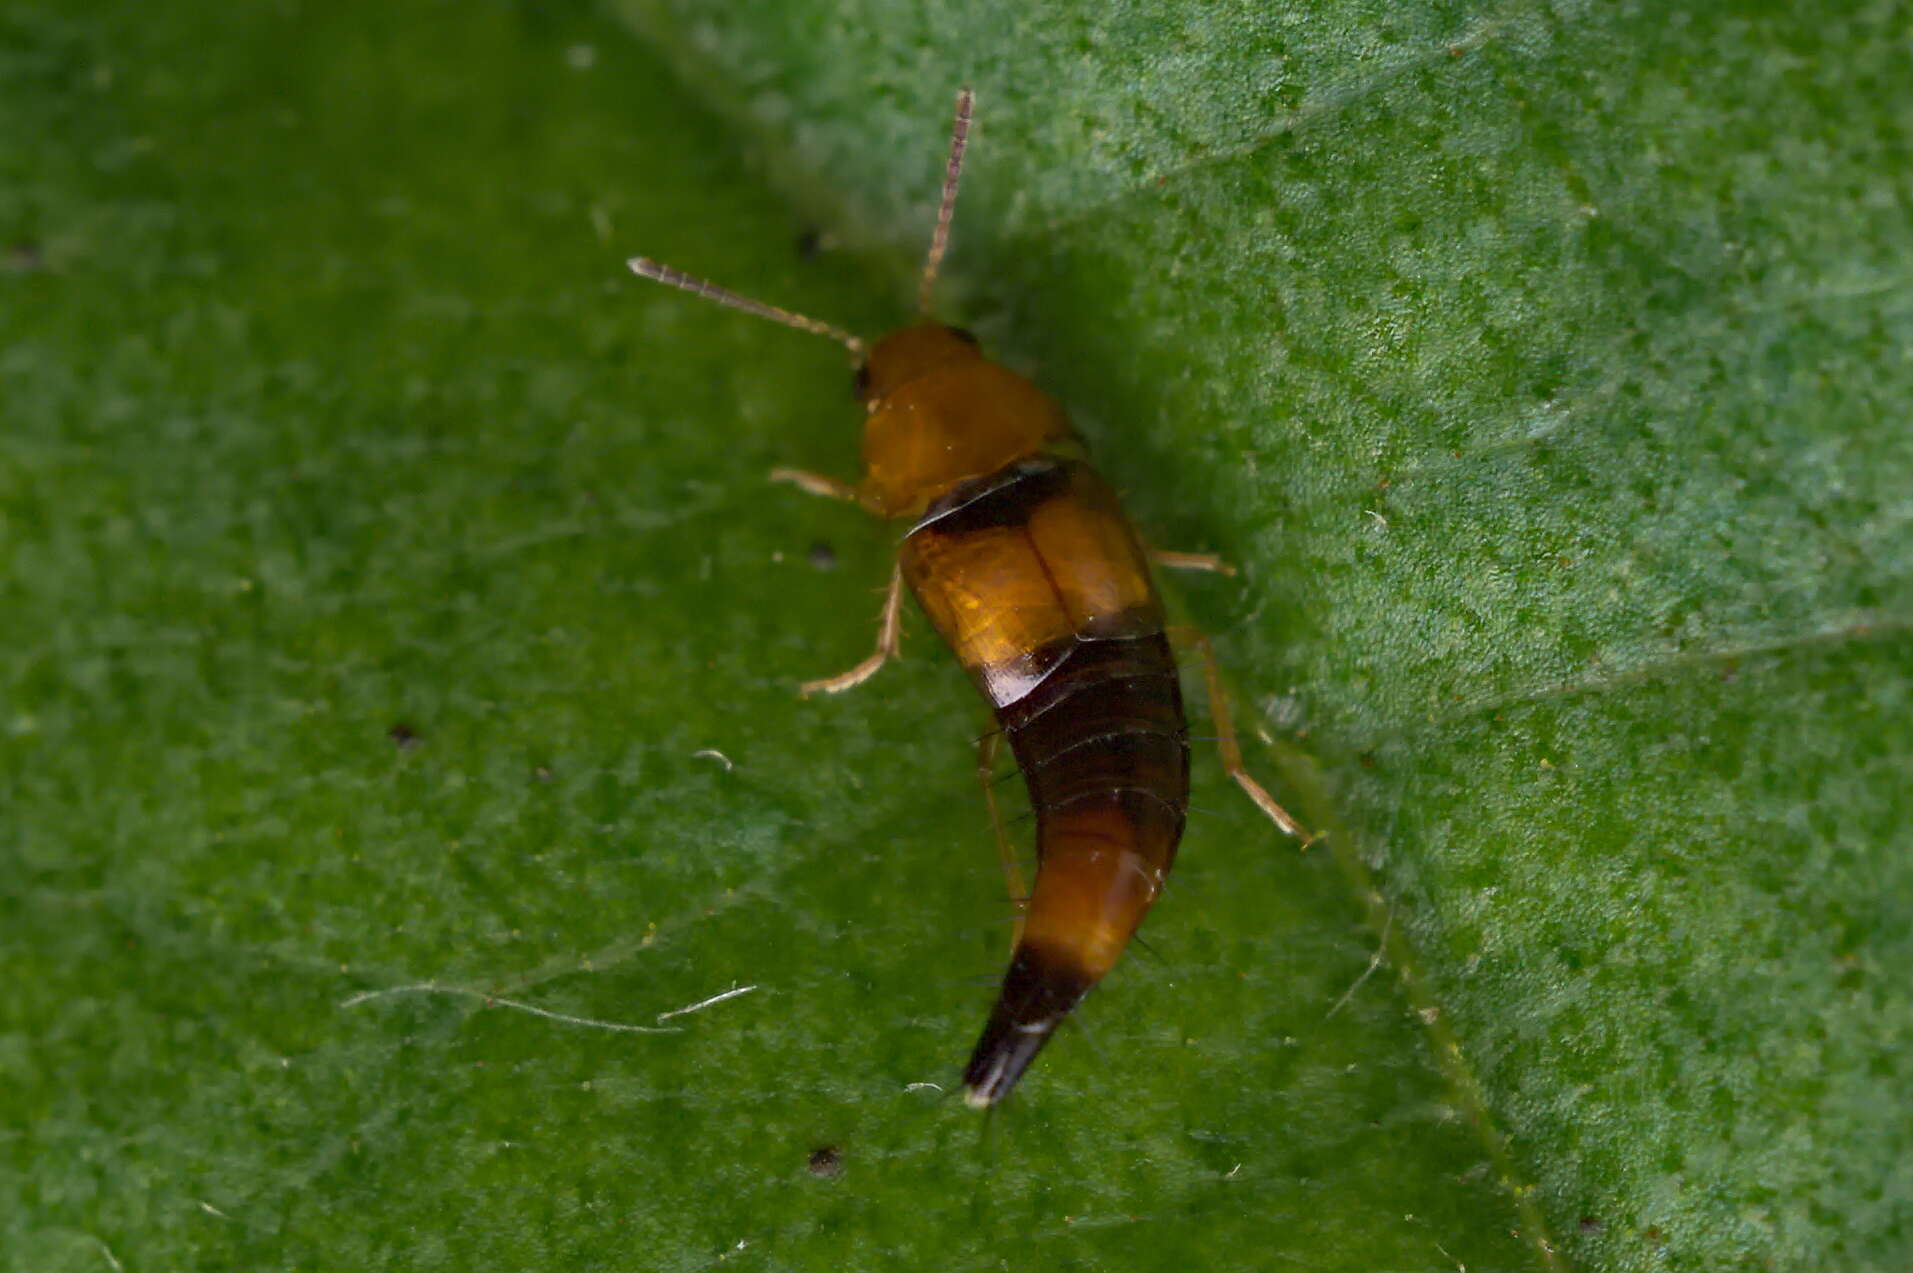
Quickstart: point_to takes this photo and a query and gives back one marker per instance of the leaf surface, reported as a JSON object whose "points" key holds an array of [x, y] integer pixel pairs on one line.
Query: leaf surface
{"points": [[403, 638]]}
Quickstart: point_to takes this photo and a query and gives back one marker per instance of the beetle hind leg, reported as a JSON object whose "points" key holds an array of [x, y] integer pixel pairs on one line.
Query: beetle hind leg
{"points": [[1226, 739]]}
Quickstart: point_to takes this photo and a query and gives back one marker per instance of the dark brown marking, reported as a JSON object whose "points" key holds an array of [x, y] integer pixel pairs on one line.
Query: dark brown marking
{"points": [[1004, 498], [1039, 990]]}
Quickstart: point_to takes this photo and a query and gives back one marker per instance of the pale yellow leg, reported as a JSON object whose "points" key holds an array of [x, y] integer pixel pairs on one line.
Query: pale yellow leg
{"points": [[816, 484], [1191, 561], [889, 629], [1012, 873], [1225, 737]]}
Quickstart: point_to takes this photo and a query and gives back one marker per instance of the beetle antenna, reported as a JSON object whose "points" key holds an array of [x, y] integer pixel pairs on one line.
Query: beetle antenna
{"points": [[940, 237], [644, 267]]}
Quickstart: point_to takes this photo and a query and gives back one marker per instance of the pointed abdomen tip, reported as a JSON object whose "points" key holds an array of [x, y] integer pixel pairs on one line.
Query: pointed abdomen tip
{"points": [[1039, 990]]}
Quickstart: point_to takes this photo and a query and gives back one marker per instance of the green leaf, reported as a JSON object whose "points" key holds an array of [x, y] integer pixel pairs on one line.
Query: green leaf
{"points": [[398, 616]]}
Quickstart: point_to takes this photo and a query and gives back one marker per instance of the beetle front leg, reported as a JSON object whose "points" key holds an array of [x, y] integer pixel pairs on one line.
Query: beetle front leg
{"points": [[816, 484]]}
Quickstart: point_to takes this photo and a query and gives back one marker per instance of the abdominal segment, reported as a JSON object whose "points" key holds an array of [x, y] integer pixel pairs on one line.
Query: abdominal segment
{"points": [[1034, 579]]}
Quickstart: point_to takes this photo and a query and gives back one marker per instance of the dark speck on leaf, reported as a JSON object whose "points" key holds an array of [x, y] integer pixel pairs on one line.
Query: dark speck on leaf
{"points": [[823, 556], [24, 257], [812, 244], [826, 1163], [404, 737]]}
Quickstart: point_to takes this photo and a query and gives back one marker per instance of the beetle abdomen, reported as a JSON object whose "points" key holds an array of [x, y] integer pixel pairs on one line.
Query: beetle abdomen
{"points": [[1104, 749], [1035, 580]]}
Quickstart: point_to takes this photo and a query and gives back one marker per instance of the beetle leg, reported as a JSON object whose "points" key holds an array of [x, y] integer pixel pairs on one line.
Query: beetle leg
{"points": [[986, 775], [1225, 737], [816, 484], [889, 629], [1191, 561]]}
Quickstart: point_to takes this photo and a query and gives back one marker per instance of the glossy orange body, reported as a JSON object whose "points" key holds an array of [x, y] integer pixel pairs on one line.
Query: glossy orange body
{"points": [[1023, 561], [1021, 558]]}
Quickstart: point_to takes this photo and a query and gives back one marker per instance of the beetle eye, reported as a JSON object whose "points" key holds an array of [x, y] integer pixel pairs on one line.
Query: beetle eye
{"points": [[965, 335], [860, 384]]}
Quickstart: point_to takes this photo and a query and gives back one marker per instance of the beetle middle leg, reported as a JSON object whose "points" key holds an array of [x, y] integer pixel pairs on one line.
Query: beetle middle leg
{"points": [[889, 629], [1225, 736]]}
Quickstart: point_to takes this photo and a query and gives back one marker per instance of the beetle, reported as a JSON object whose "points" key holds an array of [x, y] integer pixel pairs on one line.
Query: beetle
{"points": [[1019, 554]]}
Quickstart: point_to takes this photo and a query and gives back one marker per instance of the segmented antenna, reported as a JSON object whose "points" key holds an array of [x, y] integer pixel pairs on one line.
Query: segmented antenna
{"points": [[644, 267], [940, 237]]}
